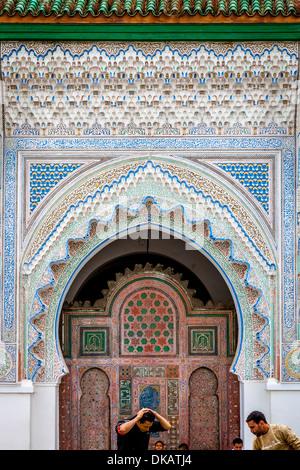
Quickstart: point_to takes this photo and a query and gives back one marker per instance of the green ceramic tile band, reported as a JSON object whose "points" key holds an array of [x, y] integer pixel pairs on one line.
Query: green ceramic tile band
{"points": [[149, 32]]}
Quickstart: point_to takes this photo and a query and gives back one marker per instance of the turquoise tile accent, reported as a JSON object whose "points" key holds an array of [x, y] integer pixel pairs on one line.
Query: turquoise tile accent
{"points": [[253, 176], [44, 177]]}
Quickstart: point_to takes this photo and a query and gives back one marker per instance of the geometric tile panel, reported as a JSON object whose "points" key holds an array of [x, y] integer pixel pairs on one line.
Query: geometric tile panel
{"points": [[148, 325], [253, 176], [44, 177]]}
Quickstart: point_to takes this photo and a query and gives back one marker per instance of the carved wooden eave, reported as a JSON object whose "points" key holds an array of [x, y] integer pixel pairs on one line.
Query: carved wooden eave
{"points": [[100, 304]]}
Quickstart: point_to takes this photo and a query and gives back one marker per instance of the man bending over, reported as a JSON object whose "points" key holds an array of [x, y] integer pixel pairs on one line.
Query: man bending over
{"points": [[134, 434]]}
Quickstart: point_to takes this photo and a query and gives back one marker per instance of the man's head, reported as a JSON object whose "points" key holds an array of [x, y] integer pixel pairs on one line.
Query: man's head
{"points": [[183, 446], [146, 421], [159, 445], [237, 444], [257, 423]]}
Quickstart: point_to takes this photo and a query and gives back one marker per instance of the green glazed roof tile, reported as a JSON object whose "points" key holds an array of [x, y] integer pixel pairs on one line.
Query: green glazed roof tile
{"points": [[157, 8]]}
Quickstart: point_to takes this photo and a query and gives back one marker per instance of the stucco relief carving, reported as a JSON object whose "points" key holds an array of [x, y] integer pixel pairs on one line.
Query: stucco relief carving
{"points": [[203, 195], [149, 89]]}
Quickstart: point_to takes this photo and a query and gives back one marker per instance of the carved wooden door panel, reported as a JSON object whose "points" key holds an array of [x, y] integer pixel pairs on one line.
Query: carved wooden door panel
{"points": [[204, 410], [94, 411]]}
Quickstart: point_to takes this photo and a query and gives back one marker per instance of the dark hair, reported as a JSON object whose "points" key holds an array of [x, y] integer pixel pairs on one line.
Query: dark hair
{"points": [[237, 440], [160, 442], [256, 416], [183, 446], [147, 416]]}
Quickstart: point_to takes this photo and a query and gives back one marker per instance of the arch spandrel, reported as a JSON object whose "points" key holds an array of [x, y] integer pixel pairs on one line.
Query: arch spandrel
{"points": [[180, 181], [160, 196]]}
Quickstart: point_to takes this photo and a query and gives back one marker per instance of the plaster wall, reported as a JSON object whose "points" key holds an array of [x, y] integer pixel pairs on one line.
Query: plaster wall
{"points": [[15, 419], [44, 417], [28, 416], [282, 401]]}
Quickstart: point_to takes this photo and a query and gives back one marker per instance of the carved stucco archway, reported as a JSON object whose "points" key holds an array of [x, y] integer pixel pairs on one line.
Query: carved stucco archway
{"points": [[128, 195]]}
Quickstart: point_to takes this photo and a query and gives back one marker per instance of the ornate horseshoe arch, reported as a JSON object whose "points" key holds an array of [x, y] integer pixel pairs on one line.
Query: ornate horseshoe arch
{"points": [[186, 200]]}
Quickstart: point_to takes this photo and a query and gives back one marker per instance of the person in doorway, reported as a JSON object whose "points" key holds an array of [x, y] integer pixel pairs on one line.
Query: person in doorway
{"points": [[159, 445], [134, 434], [237, 444], [183, 446], [271, 436]]}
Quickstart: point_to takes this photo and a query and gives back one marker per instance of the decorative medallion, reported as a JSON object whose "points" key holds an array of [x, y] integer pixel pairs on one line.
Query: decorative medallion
{"points": [[6, 363], [293, 363]]}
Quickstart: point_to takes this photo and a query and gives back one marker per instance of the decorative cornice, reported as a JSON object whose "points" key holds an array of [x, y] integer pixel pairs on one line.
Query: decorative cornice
{"points": [[139, 269], [149, 89]]}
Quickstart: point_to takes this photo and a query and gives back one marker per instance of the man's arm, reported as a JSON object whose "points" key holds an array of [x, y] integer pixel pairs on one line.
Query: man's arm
{"points": [[291, 438], [256, 444], [126, 427], [163, 421]]}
